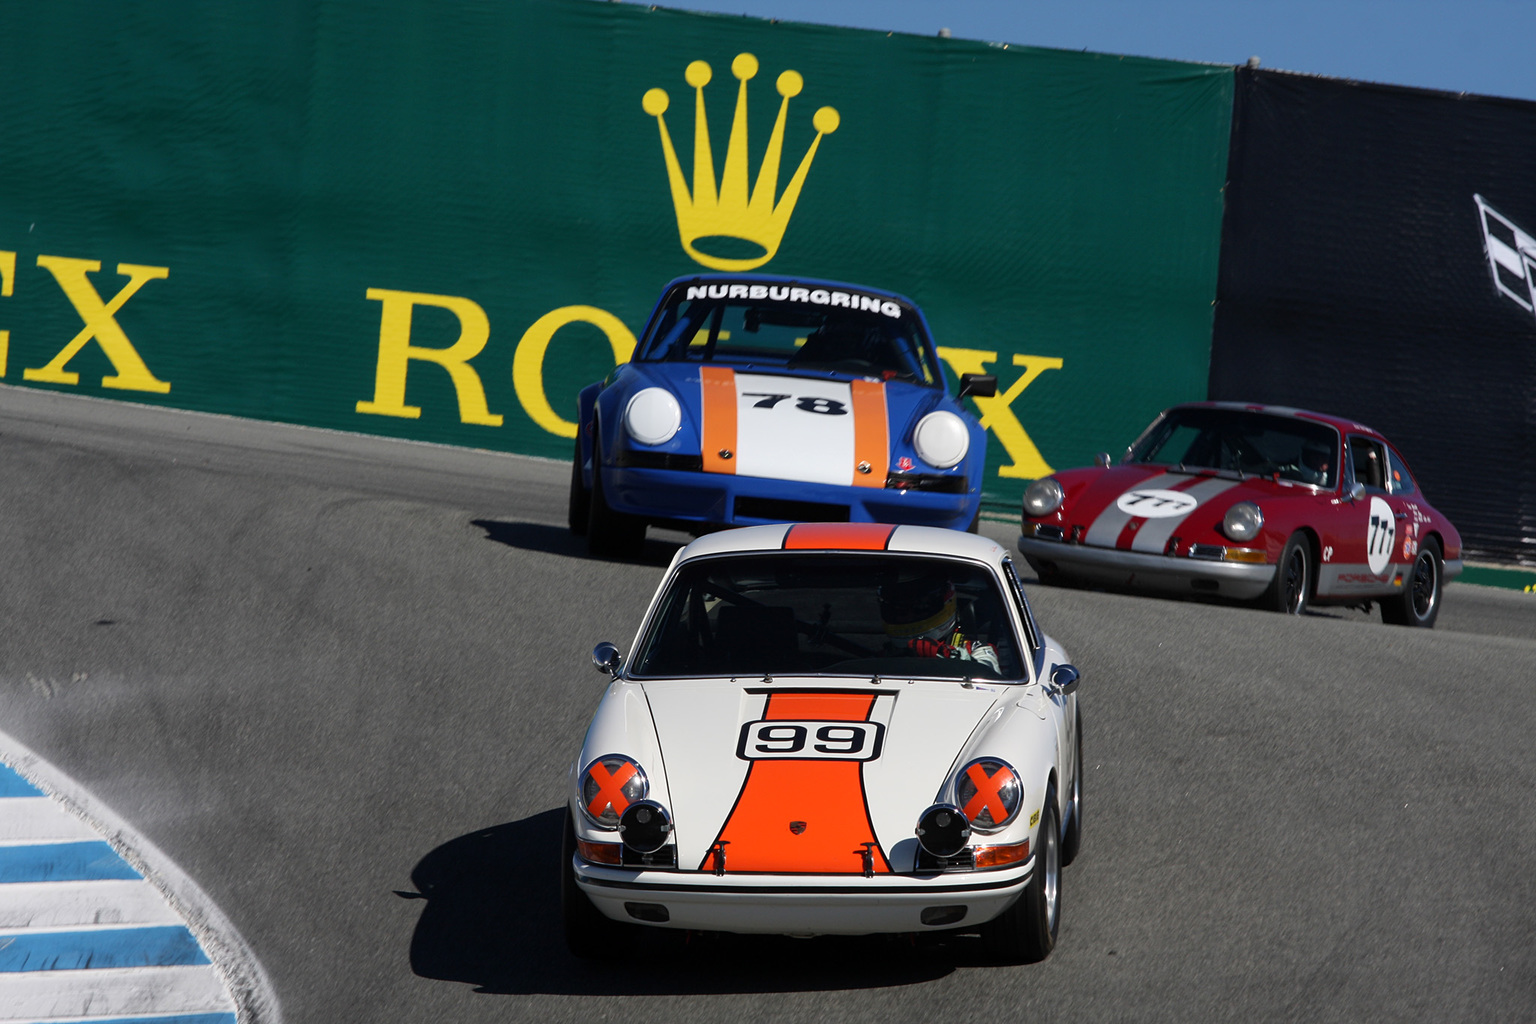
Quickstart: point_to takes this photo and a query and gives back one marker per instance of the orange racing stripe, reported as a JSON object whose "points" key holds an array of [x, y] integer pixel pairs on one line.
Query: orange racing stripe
{"points": [[871, 446], [838, 537], [827, 796], [717, 393]]}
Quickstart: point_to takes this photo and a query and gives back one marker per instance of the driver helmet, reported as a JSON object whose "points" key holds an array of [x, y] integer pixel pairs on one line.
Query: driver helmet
{"points": [[919, 607], [1317, 456]]}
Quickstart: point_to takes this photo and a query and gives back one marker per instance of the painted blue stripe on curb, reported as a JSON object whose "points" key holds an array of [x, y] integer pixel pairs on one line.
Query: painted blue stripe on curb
{"points": [[12, 784], [62, 862], [161, 946], [185, 1018]]}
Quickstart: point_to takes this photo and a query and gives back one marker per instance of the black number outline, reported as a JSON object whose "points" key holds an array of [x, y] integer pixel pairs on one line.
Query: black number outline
{"points": [[869, 750]]}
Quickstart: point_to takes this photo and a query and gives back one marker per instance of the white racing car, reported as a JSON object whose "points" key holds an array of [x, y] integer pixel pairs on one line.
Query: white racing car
{"points": [[847, 728]]}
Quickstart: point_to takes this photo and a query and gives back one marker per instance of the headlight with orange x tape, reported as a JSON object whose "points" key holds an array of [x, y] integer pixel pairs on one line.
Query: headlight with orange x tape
{"points": [[989, 792], [608, 786]]}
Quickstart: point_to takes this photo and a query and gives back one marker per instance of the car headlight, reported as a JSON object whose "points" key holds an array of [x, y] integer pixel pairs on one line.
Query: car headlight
{"points": [[608, 786], [1242, 521], [645, 826], [1043, 497], [989, 793], [652, 416], [941, 439]]}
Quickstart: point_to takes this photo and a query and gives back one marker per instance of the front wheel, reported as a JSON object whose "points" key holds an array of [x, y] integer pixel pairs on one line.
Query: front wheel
{"points": [[1291, 591], [1025, 933], [580, 500], [611, 534], [589, 934], [1419, 603], [1072, 837]]}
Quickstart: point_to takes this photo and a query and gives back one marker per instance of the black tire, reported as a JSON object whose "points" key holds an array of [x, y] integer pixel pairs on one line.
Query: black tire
{"points": [[1025, 933], [1295, 578], [1072, 834], [975, 526], [1419, 603], [611, 534], [588, 934], [581, 501]]}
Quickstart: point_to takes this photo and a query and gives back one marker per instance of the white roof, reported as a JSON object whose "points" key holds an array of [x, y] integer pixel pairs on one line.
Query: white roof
{"points": [[846, 537]]}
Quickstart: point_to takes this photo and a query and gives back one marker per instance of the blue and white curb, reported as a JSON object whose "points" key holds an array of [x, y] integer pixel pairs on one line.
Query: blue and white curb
{"points": [[97, 926]]}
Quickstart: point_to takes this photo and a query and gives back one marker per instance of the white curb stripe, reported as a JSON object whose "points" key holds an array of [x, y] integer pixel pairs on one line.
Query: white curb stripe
{"points": [[45, 995], [54, 905], [37, 819], [234, 984]]}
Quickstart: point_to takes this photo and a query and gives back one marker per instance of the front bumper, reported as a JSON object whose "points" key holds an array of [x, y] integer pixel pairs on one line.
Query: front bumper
{"points": [[687, 497], [1111, 567], [800, 904]]}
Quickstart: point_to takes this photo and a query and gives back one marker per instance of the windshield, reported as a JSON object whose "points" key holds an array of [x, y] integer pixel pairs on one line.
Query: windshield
{"points": [[781, 614], [1242, 441], [792, 328]]}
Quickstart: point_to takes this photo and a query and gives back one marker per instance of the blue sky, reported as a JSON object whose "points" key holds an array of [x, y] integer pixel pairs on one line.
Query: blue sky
{"points": [[1479, 46]]}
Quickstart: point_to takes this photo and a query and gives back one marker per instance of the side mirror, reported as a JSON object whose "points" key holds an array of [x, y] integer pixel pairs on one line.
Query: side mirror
{"points": [[1102, 459], [1065, 679], [606, 658], [1356, 491], [980, 385]]}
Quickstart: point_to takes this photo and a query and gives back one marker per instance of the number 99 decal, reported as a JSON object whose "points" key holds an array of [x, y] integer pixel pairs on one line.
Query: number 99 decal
{"points": [[810, 741]]}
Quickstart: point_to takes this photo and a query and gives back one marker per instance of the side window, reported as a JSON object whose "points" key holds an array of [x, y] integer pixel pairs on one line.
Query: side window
{"points": [[1402, 480], [1032, 635], [1370, 462]]}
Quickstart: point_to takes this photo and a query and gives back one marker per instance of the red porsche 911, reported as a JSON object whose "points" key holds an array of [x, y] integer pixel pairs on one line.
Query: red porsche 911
{"points": [[1250, 502]]}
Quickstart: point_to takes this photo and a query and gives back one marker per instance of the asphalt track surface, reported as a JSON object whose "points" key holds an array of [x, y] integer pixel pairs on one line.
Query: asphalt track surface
{"points": [[321, 671]]}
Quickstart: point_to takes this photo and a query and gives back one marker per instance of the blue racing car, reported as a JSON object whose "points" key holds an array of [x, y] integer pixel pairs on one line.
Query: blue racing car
{"points": [[753, 399]]}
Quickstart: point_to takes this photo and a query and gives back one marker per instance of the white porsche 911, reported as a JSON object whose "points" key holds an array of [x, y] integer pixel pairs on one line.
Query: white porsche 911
{"points": [[847, 728]]}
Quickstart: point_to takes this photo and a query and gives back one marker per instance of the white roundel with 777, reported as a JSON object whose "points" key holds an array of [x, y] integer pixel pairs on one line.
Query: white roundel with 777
{"points": [[1155, 503], [1381, 535]]}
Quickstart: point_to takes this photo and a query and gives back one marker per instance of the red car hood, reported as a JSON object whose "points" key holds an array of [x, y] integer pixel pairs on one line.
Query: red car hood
{"points": [[1142, 508]]}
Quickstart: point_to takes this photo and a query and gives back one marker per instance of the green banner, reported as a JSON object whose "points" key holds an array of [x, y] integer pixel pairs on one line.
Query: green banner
{"points": [[439, 220]]}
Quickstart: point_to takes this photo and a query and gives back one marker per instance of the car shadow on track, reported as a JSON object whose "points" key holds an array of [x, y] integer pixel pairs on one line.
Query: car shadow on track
{"points": [[557, 540], [492, 919]]}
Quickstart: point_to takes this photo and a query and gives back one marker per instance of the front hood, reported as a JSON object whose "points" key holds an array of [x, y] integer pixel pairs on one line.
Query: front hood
{"points": [[1139, 508], [782, 424], [850, 765]]}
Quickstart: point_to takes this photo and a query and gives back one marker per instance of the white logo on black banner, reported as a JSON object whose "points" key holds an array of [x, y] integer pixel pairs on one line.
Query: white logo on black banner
{"points": [[1511, 256]]}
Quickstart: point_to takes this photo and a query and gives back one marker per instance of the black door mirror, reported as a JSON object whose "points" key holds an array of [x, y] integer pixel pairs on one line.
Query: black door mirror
{"points": [[606, 658], [1065, 679], [980, 385]]}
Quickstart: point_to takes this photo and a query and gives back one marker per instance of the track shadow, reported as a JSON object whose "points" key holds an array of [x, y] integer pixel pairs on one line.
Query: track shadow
{"points": [[557, 540], [492, 919]]}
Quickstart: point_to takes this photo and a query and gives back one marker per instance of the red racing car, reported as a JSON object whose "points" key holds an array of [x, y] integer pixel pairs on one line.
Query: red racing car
{"points": [[1288, 507]]}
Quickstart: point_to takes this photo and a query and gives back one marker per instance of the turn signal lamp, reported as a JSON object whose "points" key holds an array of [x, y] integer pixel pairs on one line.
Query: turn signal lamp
{"points": [[599, 853], [609, 785], [998, 856]]}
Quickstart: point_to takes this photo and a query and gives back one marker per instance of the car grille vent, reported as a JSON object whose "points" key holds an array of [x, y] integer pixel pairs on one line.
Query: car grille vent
{"points": [[1210, 552], [1047, 531], [778, 510]]}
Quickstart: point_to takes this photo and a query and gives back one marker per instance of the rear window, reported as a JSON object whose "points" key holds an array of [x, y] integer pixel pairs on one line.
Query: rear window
{"points": [[863, 615]]}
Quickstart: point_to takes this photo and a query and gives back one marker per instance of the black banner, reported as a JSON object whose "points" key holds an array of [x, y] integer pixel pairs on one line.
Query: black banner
{"points": [[1378, 261]]}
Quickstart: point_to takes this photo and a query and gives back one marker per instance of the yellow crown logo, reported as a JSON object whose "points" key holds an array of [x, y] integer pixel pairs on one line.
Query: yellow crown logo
{"points": [[731, 213]]}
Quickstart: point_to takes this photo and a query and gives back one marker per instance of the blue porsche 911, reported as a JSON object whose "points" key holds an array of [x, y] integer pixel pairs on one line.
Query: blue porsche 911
{"points": [[753, 399]]}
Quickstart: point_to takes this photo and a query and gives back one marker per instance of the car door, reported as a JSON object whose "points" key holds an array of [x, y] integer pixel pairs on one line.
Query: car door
{"points": [[1370, 543]]}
